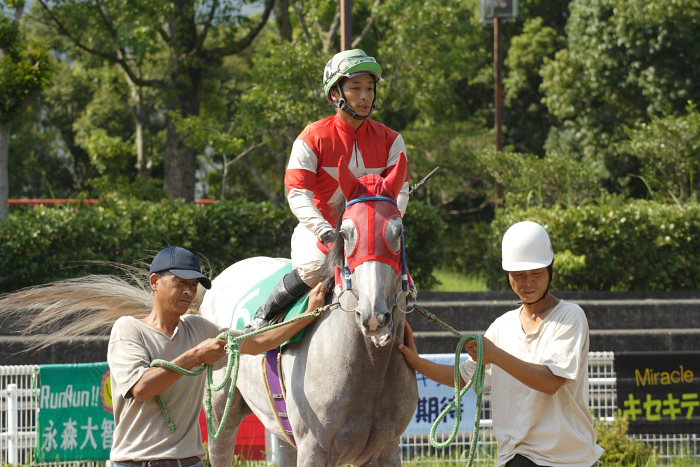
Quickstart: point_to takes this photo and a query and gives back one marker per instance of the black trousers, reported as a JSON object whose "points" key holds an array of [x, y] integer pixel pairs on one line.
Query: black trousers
{"points": [[521, 461]]}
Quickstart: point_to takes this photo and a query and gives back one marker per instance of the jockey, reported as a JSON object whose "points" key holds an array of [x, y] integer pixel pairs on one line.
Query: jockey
{"points": [[311, 179]]}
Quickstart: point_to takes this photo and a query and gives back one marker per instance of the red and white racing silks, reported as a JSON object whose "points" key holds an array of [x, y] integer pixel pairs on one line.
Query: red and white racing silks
{"points": [[312, 174]]}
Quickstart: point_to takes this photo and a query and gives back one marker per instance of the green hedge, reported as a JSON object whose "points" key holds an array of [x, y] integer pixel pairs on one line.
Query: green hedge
{"points": [[48, 243], [632, 245]]}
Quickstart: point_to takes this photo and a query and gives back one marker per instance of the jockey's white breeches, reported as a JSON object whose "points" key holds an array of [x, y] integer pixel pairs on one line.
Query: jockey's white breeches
{"points": [[306, 257]]}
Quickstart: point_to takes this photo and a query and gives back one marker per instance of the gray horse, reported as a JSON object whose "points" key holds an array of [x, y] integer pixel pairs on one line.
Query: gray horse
{"points": [[349, 392]]}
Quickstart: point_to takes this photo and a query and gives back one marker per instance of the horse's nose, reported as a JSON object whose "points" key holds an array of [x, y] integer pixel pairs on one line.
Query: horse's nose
{"points": [[376, 321]]}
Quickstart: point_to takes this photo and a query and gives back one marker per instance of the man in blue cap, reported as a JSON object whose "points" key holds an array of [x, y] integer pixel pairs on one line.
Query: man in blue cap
{"points": [[142, 436]]}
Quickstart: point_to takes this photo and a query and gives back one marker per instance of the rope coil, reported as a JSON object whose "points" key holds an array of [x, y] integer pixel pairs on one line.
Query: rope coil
{"points": [[476, 381]]}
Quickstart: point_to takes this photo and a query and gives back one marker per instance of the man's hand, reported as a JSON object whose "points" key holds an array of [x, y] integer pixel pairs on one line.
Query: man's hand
{"points": [[317, 297], [275, 337], [490, 349], [210, 351], [443, 374], [408, 348]]}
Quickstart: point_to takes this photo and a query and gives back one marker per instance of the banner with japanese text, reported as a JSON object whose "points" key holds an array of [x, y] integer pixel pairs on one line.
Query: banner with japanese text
{"points": [[434, 397], [658, 391], [75, 412]]}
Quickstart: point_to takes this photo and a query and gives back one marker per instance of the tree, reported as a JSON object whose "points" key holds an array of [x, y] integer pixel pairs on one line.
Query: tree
{"points": [[256, 131], [171, 46], [527, 118], [626, 61], [245, 133], [668, 148], [25, 68]]}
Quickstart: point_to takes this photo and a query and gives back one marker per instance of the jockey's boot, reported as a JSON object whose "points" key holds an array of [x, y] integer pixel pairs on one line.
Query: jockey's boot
{"points": [[287, 291]]}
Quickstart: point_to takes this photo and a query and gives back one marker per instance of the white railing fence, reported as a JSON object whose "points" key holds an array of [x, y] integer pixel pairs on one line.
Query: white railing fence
{"points": [[18, 411], [19, 406]]}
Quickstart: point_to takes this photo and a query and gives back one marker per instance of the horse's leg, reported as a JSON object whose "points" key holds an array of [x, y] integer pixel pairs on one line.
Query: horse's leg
{"points": [[221, 450], [389, 457]]}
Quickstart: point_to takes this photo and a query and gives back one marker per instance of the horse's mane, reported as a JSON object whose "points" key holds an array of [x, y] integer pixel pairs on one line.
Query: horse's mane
{"points": [[335, 257], [76, 307]]}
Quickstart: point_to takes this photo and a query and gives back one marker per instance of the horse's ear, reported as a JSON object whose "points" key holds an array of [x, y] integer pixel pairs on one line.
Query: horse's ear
{"points": [[346, 179], [394, 181]]}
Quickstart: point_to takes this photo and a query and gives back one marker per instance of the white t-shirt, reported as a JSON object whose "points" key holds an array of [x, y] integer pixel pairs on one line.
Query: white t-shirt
{"points": [[141, 431], [554, 430]]}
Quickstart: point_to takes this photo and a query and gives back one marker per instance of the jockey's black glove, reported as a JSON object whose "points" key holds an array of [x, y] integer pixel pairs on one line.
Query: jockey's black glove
{"points": [[328, 237]]}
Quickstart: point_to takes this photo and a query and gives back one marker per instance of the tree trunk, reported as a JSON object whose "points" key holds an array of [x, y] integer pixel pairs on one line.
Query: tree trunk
{"points": [[271, 194], [284, 24], [4, 174], [143, 165], [181, 160], [185, 96], [180, 166]]}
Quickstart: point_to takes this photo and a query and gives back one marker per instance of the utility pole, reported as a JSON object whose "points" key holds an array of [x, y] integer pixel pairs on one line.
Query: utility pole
{"points": [[345, 24], [496, 11], [498, 94]]}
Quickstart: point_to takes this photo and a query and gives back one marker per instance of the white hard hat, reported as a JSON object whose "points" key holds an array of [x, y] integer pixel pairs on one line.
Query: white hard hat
{"points": [[526, 246]]}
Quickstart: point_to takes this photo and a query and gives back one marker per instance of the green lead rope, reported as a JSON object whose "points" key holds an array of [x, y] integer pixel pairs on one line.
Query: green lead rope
{"points": [[477, 381], [232, 365]]}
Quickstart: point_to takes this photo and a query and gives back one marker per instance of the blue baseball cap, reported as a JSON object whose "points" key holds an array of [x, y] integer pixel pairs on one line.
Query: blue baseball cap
{"points": [[181, 262]]}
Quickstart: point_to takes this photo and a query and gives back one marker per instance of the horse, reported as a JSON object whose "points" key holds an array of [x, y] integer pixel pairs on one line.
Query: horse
{"points": [[349, 392]]}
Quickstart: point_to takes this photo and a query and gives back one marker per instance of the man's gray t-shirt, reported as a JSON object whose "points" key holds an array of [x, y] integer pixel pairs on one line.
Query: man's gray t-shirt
{"points": [[141, 431]]}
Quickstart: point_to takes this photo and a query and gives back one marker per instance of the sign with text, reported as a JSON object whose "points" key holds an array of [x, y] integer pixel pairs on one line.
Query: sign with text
{"points": [[502, 9], [75, 412], [434, 397], [659, 392]]}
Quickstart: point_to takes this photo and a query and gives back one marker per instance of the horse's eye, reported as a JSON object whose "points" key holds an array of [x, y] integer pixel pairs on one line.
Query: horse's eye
{"points": [[349, 231], [393, 234]]}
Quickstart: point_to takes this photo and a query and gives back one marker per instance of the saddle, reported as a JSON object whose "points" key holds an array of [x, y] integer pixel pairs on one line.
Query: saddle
{"points": [[257, 295]]}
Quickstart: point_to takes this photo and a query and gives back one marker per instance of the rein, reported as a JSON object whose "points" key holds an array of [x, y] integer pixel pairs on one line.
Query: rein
{"points": [[477, 381], [232, 366]]}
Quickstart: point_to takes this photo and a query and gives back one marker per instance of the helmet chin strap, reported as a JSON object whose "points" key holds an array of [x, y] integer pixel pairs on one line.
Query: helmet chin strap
{"points": [[343, 105], [544, 295]]}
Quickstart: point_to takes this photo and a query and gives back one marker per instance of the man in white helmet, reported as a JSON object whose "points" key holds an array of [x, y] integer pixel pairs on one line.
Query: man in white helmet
{"points": [[311, 179], [537, 364]]}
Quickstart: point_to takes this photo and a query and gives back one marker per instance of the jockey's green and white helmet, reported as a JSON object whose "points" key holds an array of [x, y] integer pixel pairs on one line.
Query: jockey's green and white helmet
{"points": [[346, 64]]}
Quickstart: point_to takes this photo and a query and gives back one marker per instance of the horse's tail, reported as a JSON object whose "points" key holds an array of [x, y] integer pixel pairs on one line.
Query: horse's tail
{"points": [[76, 307]]}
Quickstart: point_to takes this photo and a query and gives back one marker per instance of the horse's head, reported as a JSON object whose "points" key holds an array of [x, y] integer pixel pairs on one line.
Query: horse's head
{"points": [[372, 234]]}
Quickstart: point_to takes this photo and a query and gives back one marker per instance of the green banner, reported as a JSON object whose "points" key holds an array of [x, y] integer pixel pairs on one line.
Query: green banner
{"points": [[76, 418]]}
